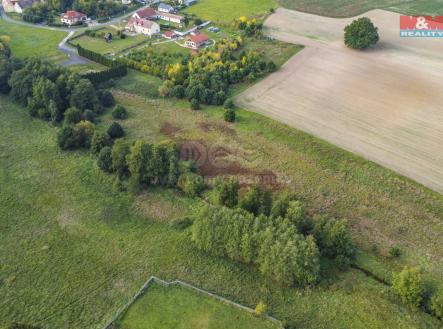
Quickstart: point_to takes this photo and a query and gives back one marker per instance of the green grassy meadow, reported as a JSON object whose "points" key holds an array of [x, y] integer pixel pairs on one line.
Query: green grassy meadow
{"points": [[117, 45], [226, 11], [349, 8], [27, 41], [165, 307], [73, 250]]}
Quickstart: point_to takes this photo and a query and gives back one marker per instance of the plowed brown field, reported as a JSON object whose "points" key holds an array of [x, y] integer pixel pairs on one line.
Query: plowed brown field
{"points": [[385, 104]]}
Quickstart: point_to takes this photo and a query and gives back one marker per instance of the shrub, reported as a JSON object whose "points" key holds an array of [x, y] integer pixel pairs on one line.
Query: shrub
{"points": [[178, 91], [106, 98], [77, 136], [437, 303], [409, 286], [395, 252], [72, 116], [115, 130], [333, 237], [227, 192], [104, 160], [361, 34], [181, 223], [256, 201], [99, 141], [260, 309], [191, 184], [119, 112], [120, 152], [195, 105], [230, 115], [88, 115], [229, 104], [280, 206], [297, 216]]}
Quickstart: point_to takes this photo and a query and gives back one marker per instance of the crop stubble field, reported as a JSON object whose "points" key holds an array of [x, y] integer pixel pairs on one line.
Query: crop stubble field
{"points": [[383, 104]]}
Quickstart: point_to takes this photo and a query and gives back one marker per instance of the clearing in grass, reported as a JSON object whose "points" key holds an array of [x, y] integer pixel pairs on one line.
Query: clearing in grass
{"points": [[29, 41], [174, 306], [226, 11]]}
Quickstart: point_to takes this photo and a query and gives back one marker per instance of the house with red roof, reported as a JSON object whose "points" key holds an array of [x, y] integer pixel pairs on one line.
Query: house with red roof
{"points": [[169, 35], [145, 13], [72, 17], [196, 41]]}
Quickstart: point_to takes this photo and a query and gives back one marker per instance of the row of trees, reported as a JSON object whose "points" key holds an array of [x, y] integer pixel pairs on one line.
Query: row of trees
{"points": [[143, 164], [277, 236]]}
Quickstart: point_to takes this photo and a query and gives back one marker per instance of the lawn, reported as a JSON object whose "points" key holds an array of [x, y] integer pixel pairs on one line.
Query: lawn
{"points": [[166, 307], [99, 44], [73, 250], [349, 8], [27, 41], [140, 84], [225, 11]]}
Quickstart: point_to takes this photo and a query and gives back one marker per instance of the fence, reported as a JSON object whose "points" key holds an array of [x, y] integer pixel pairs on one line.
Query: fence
{"points": [[154, 279]]}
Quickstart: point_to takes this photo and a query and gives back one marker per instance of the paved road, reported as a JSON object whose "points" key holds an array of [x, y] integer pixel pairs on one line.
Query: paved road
{"points": [[74, 58]]}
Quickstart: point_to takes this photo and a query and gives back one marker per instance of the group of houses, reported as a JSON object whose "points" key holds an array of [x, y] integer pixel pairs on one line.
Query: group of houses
{"points": [[144, 21]]}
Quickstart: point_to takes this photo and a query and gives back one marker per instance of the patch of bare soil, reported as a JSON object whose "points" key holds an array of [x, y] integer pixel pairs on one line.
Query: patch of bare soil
{"points": [[221, 161], [384, 104], [217, 126], [169, 129]]}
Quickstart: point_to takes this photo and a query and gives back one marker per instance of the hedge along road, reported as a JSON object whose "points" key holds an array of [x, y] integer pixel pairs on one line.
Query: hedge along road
{"points": [[74, 58], [383, 104]]}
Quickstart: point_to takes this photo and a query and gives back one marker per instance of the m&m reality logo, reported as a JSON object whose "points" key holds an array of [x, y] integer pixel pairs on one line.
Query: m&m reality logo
{"points": [[421, 26]]}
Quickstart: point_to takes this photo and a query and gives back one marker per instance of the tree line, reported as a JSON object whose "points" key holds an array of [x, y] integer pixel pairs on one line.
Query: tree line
{"points": [[278, 237]]}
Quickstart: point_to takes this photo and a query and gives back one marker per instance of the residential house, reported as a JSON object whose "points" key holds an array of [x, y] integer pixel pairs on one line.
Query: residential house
{"points": [[169, 35], [165, 8], [126, 2], [145, 13], [143, 26], [196, 41], [17, 6], [72, 17], [170, 17]]}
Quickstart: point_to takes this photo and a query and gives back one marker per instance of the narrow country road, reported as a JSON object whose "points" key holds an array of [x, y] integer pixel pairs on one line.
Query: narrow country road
{"points": [[74, 58]]}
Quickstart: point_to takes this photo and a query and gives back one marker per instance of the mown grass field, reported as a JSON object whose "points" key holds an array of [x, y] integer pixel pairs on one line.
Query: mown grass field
{"points": [[27, 41], [165, 307], [99, 45], [226, 11], [349, 8], [73, 250]]}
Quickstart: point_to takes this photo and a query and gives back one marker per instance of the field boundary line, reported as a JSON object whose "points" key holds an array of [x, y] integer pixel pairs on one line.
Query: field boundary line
{"points": [[154, 279]]}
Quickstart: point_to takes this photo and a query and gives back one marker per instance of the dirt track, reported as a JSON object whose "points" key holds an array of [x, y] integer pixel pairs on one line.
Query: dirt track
{"points": [[385, 104]]}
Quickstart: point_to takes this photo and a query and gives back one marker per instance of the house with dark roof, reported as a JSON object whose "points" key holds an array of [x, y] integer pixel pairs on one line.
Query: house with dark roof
{"points": [[145, 13], [72, 17], [165, 8]]}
